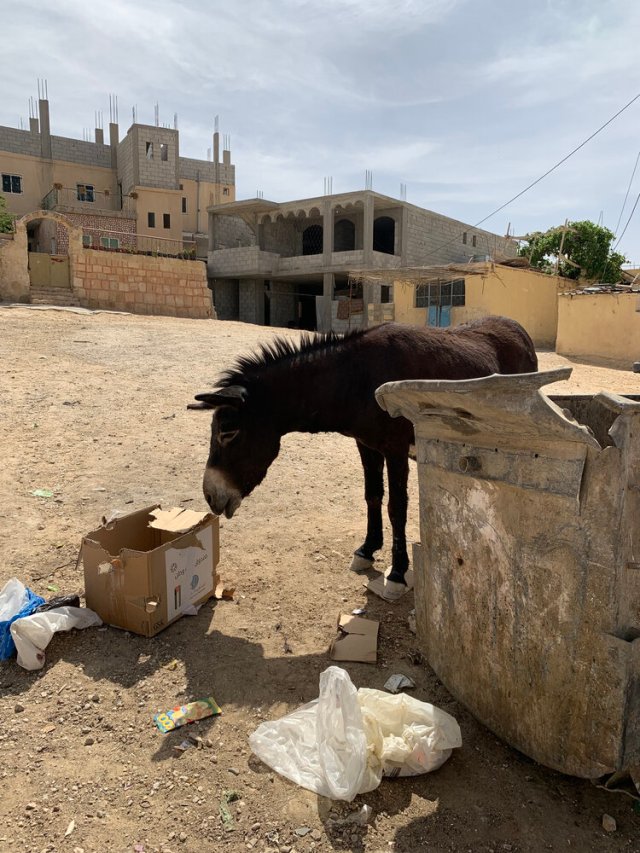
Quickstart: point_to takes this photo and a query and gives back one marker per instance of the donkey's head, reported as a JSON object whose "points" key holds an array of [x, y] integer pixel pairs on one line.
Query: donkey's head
{"points": [[243, 444]]}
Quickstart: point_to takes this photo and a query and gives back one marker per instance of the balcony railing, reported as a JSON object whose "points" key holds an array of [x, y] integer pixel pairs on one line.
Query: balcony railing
{"points": [[137, 244], [87, 199]]}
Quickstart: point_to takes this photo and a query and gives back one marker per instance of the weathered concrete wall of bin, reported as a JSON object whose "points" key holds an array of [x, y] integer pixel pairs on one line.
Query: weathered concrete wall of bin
{"points": [[528, 569]]}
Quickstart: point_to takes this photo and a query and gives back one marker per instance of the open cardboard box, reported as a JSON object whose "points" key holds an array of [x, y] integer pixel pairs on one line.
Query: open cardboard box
{"points": [[144, 570]]}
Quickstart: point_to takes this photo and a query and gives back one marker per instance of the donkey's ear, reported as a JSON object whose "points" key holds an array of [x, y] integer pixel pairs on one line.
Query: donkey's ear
{"points": [[234, 395]]}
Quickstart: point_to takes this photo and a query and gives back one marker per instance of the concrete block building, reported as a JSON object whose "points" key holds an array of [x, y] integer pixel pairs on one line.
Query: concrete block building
{"points": [[136, 192], [289, 264]]}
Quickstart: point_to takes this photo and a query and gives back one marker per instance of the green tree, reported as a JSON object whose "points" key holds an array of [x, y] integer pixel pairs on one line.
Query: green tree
{"points": [[6, 218], [586, 252]]}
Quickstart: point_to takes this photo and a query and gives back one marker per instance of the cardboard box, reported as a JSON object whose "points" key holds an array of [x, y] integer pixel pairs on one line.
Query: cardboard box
{"points": [[142, 571], [357, 640]]}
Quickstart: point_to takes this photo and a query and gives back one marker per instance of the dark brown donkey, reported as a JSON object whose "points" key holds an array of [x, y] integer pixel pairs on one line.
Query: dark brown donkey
{"points": [[327, 384]]}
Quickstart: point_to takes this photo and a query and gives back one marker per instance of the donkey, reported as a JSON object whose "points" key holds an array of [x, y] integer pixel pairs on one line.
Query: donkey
{"points": [[327, 384]]}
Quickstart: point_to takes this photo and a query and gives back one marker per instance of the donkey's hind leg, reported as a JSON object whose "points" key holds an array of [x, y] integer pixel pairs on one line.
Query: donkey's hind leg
{"points": [[398, 475], [373, 464]]}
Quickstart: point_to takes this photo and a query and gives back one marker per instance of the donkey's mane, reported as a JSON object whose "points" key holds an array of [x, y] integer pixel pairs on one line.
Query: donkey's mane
{"points": [[284, 350]]}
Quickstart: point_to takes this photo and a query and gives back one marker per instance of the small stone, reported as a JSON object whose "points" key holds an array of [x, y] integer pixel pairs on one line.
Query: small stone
{"points": [[78, 850], [31, 807], [89, 741], [85, 730], [609, 823], [182, 837], [234, 770], [255, 827], [18, 708], [301, 831], [95, 698], [316, 835]]}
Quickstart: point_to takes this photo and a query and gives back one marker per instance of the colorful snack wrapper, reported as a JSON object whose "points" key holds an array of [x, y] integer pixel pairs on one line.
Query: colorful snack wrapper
{"points": [[166, 721]]}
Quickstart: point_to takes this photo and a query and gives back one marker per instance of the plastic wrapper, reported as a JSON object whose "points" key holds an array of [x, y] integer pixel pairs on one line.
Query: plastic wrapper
{"points": [[343, 743]]}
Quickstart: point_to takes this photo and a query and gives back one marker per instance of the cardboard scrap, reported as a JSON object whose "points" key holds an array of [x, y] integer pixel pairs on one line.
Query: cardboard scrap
{"points": [[377, 585], [177, 519], [222, 592], [357, 639]]}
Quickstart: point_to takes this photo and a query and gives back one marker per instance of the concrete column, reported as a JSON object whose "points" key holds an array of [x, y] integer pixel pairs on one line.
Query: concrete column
{"points": [[34, 125], [45, 129], [99, 136], [212, 232], [404, 237], [367, 254], [367, 232], [113, 142], [323, 303]]}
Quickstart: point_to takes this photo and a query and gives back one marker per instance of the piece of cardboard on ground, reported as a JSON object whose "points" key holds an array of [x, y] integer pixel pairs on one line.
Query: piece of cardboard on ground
{"points": [[376, 585], [357, 640], [143, 570]]}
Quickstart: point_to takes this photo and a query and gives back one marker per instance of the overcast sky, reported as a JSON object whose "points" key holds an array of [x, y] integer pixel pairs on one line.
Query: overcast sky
{"points": [[465, 102]]}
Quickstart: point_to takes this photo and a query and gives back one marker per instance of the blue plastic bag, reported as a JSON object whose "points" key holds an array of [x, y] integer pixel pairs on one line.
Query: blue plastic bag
{"points": [[16, 601]]}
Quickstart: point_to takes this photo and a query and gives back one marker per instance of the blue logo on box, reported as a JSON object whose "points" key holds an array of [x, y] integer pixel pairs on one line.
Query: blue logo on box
{"points": [[195, 580]]}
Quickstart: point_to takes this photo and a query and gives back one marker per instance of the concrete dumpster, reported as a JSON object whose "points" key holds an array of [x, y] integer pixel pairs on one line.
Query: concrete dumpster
{"points": [[527, 581]]}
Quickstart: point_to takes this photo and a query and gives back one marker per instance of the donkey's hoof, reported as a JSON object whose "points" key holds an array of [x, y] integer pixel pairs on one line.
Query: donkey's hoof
{"points": [[392, 590], [361, 564]]}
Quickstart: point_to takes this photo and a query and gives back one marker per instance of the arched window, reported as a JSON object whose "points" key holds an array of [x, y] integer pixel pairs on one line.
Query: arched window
{"points": [[384, 234], [312, 240], [344, 236]]}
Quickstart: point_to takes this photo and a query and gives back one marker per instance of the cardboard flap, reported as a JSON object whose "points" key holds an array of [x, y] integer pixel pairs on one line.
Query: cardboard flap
{"points": [[357, 640], [176, 519]]}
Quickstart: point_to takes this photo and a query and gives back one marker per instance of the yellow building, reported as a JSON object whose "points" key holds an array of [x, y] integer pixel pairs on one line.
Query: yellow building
{"points": [[448, 296], [135, 192]]}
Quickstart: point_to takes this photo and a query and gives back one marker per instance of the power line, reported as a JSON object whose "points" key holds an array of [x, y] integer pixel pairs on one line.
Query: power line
{"points": [[628, 221], [560, 162], [615, 230], [537, 180]]}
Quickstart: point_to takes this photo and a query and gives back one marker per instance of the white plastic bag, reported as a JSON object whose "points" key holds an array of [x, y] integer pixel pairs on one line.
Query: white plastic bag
{"points": [[13, 596], [341, 744], [32, 634]]}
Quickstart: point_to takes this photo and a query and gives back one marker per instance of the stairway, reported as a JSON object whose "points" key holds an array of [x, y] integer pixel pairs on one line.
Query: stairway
{"points": [[54, 296]]}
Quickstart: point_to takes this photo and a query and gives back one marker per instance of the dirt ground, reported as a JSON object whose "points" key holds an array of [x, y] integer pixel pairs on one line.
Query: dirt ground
{"points": [[93, 408]]}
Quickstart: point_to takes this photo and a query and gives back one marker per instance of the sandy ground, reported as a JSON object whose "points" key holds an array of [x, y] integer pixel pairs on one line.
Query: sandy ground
{"points": [[93, 408]]}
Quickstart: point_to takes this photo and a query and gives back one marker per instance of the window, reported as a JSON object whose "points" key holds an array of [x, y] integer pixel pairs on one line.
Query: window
{"points": [[110, 242], [464, 237], [87, 241], [149, 150], [11, 184], [184, 204], [85, 192], [441, 294], [151, 220], [225, 191], [164, 151], [474, 240], [166, 220], [181, 187]]}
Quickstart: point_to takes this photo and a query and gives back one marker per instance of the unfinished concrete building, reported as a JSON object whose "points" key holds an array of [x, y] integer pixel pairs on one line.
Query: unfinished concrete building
{"points": [[131, 193], [288, 264]]}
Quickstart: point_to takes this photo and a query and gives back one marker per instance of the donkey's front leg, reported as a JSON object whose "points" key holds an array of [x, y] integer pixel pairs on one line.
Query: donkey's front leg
{"points": [[373, 464], [398, 476]]}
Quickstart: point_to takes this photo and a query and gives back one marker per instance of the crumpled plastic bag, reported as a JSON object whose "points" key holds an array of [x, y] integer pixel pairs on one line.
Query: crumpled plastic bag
{"points": [[16, 601], [32, 634], [341, 744]]}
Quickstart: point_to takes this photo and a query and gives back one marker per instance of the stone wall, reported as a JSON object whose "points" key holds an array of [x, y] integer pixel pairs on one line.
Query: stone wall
{"points": [[14, 274], [81, 151], [231, 232], [125, 229], [140, 284], [226, 298], [435, 239], [19, 141], [251, 301]]}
